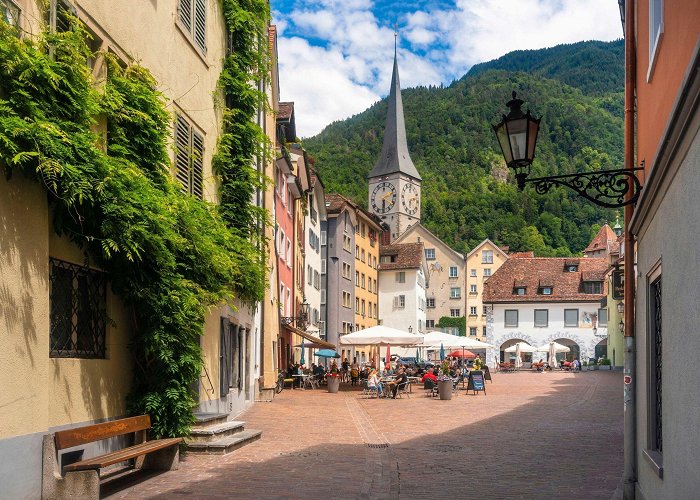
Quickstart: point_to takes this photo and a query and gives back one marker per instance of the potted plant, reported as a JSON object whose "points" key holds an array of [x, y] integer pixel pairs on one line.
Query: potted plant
{"points": [[584, 366], [333, 378], [445, 381], [604, 364]]}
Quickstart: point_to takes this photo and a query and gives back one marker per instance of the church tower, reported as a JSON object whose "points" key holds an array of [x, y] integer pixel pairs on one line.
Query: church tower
{"points": [[394, 182]]}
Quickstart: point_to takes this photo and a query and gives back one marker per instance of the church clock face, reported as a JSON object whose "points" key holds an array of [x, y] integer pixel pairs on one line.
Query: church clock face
{"points": [[410, 199], [383, 197]]}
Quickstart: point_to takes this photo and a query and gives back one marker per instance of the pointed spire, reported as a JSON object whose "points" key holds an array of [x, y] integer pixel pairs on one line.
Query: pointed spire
{"points": [[394, 156]]}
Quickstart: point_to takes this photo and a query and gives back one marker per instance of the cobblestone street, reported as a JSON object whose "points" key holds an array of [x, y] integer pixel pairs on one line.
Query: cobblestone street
{"points": [[534, 435]]}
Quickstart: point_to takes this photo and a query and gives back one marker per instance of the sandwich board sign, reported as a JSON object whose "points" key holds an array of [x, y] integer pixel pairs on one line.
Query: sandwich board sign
{"points": [[476, 382]]}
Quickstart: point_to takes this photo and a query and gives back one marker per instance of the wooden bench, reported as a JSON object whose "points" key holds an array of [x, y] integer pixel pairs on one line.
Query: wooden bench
{"points": [[81, 478]]}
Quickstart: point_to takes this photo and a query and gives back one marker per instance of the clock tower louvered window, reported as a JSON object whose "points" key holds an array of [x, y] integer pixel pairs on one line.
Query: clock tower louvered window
{"points": [[189, 164]]}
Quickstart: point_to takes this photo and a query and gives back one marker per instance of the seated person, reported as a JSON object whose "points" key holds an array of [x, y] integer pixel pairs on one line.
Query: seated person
{"points": [[401, 378], [374, 383], [429, 375]]}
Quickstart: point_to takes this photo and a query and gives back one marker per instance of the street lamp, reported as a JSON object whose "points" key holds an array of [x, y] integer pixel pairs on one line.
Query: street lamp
{"points": [[410, 329], [300, 321], [621, 326], [620, 307], [517, 136]]}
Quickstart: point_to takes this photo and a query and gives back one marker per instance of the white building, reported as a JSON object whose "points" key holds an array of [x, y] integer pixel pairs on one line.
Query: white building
{"points": [[402, 287], [538, 300], [315, 214]]}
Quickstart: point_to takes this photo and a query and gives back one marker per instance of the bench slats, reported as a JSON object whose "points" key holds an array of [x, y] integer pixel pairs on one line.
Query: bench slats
{"points": [[98, 432], [122, 455]]}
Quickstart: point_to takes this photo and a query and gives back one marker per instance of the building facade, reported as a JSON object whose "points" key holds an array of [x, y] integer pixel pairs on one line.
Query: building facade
{"points": [[445, 283], [666, 84], [484, 260], [337, 249], [539, 300], [402, 286]]}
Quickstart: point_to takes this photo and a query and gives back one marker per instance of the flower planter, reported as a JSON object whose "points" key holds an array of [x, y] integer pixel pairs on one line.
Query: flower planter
{"points": [[445, 388], [604, 367], [333, 384]]}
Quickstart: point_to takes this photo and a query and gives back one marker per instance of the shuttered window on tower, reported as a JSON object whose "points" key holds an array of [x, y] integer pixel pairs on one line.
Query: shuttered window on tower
{"points": [[189, 157], [193, 18]]}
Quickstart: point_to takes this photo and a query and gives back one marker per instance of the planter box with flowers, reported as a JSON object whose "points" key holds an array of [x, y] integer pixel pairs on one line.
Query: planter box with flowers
{"points": [[604, 364], [333, 378]]}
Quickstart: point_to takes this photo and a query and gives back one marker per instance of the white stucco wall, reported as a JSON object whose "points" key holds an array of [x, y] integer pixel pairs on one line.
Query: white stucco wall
{"points": [[497, 333]]}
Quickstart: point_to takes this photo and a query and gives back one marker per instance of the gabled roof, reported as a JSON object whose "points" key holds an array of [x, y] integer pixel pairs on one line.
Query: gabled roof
{"points": [[286, 120], [522, 255], [394, 156], [533, 273], [335, 203], [602, 241], [408, 256], [476, 248], [421, 227]]}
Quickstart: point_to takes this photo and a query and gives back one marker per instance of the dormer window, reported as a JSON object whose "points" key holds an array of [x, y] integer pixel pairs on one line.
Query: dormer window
{"points": [[571, 268], [593, 287], [519, 290], [545, 290]]}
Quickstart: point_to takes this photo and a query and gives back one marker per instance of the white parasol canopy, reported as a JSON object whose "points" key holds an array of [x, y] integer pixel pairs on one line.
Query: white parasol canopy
{"points": [[553, 349], [524, 347], [556, 345], [381, 335], [434, 339]]}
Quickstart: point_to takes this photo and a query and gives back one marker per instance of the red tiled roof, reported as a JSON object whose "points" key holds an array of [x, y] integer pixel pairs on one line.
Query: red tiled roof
{"points": [[285, 110], [522, 255], [408, 256], [335, 202], [602, 241], [533, 273]]}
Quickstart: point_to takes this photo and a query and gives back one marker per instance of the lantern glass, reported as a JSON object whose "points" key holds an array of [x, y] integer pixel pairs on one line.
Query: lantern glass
{"points": [[517, 136], [502, 136], [533, 129], [620, 307]]}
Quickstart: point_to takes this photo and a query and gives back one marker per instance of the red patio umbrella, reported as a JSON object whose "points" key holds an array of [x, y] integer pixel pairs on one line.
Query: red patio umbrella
{"points": [[388, 355], [461, 354]]}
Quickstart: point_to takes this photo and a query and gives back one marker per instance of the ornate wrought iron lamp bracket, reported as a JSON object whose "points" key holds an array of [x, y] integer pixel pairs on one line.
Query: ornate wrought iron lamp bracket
{"points": [[607, 188]]}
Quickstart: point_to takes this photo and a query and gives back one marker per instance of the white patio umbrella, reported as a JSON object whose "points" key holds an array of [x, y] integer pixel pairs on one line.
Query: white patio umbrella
{"points": [[524, 347], [553, 348], [381, 335], [455, 342], [518, 359]]}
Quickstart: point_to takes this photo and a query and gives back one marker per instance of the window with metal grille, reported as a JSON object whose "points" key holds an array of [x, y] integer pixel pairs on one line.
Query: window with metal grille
{"points": [[655, 380], [193, 18], [189, 157], [78, 297]]}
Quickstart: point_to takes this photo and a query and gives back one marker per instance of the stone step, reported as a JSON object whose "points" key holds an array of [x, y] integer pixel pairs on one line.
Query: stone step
{"points": [[216, 431], [225, 445], [204, 419]]}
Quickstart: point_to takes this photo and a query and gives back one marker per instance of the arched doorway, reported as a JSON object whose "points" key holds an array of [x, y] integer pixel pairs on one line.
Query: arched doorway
{"points": [[509, 356], [574, 350], [601, 349]]}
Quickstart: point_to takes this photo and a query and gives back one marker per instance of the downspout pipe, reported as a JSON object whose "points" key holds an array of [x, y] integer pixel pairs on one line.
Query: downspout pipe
{"points": [[630, 402]]}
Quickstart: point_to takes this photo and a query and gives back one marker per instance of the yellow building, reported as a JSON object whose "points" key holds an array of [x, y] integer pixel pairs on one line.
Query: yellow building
{"points": [[60, 374], [482, 262]]}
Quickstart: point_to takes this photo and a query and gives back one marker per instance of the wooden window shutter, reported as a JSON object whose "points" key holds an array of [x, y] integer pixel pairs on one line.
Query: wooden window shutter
{"points": [[224, 357], [185, 11], [197, 164], [182, 153], [235, 346], [200, 24]]}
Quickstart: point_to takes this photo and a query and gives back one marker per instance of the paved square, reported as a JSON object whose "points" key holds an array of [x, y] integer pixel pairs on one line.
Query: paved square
{"points": [[533, 435]]}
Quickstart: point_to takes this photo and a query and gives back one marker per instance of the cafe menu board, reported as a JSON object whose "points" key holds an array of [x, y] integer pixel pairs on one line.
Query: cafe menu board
{"points": [[476, 382], [487, 373]]}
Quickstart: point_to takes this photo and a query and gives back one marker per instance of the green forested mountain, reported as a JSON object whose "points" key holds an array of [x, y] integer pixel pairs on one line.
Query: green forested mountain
{"points": [[578, 91]]}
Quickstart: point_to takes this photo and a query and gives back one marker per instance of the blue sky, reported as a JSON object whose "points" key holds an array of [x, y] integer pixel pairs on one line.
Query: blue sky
{"points": [[335, 56]]}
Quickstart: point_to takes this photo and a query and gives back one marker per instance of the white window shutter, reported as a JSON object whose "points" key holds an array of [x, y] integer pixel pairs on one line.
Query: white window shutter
{"points": [[185, 11], [197, 164], [182, 154], [200, 24]]}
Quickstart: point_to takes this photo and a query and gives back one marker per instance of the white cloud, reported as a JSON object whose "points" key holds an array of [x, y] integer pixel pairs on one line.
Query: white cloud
{"points": [[347, 65]]}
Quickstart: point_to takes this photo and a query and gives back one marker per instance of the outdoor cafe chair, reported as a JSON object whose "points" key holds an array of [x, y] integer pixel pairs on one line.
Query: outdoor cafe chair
{"points": [[403, 389], [430, 388]]}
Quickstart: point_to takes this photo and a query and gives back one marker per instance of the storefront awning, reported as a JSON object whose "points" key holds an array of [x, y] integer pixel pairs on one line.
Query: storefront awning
{"points": [[309, 337]]}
